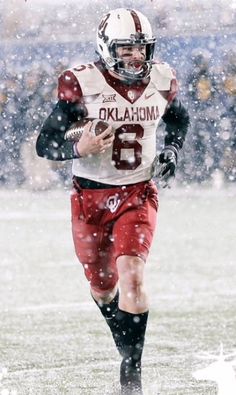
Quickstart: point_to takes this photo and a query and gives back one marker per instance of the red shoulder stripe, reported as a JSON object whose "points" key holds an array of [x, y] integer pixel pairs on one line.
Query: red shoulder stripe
{"points": [[69, 88], [173, 90]]}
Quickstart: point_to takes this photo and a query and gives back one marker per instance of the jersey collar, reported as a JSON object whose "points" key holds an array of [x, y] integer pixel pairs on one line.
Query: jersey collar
{"points": [[130, 92]]}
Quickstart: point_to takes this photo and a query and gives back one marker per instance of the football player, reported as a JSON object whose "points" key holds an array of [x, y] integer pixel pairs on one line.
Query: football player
{"points": [[114, 201]]}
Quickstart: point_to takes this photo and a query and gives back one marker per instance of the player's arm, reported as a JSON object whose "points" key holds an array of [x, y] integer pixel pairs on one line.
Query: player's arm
{"points": [[177, 122], [51, 143]]}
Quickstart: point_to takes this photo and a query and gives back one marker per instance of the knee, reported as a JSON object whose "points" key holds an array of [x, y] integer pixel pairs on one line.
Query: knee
{"points": [[103, 284], [101, 280], [130, 270], [103, 296]]}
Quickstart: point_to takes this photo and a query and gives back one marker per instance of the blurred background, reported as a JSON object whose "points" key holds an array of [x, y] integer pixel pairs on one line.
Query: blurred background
{"points": [[40, 38]]}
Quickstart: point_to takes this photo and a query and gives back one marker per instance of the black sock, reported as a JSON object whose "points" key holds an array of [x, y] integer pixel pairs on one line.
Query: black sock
{"points": [[128, 331], [132, 335], [109, 311]]}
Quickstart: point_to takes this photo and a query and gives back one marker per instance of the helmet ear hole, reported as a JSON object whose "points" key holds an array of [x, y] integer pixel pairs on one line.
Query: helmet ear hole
{"points": [[112, 50]]}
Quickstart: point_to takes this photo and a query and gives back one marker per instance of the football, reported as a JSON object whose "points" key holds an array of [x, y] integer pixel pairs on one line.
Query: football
{"points": [[75, 131]]}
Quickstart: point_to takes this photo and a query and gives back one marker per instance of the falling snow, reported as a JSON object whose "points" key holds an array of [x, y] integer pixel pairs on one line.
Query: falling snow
{"points": [[39, 40], [47, 341]]}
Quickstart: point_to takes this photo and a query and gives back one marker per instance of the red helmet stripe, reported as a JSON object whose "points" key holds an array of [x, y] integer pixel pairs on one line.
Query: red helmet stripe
{"points": [[137, 22]]}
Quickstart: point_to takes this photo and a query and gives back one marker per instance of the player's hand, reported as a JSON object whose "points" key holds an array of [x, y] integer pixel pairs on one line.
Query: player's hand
{"points": [[164, 165], [89, 144]]}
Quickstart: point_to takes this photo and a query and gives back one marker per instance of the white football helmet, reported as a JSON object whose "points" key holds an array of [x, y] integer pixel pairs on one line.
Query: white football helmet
{"points": [[125, 27]]}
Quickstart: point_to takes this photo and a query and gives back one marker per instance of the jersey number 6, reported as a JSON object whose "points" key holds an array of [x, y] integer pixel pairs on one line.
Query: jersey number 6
{"points": [[135, 156]]}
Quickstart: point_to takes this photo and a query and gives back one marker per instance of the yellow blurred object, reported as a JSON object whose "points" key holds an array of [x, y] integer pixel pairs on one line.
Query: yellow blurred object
{"points": [[203, 89], [230, 85]]}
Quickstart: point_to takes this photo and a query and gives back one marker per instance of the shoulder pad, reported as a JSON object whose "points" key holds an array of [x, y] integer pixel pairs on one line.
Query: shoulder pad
{"points": [[162, 75], [90, 78]]}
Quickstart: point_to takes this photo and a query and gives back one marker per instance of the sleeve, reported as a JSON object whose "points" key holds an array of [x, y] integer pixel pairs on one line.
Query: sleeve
{"points": [[177, 122], [164, 78], [51, 143], [69, 88], [174, 86], [69, 109]]}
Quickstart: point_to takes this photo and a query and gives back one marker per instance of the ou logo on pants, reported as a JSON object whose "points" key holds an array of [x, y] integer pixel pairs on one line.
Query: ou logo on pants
{"points": [[113, 203]]}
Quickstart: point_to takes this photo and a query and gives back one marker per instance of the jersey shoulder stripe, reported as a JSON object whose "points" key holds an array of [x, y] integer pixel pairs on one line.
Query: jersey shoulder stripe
{"points": [[90, 78], [162, 75]]}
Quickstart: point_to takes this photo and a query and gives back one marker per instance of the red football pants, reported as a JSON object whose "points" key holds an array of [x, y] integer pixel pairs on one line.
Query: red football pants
{"points": [[107, 223]]}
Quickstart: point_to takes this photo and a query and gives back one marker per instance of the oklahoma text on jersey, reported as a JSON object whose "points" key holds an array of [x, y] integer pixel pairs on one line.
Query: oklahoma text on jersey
{"points": [[134, 114]]}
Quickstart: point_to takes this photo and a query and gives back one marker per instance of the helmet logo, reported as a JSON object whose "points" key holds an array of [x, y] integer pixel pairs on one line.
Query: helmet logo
{"points": [[102, 27]]}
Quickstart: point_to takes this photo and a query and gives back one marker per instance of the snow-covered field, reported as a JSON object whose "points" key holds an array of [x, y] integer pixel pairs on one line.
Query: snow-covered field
{"points": [[52, 337]]}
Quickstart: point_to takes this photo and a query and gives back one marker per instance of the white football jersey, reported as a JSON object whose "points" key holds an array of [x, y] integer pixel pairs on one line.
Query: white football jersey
{"points": [[134, 111]]}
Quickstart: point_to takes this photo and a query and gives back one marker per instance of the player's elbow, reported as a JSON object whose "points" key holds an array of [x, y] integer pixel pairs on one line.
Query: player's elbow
{"points": [[185, 118], [41, 147]]}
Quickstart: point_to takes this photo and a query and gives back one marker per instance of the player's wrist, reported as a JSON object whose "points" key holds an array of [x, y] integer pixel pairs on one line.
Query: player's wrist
{"points": [[76, 151], [173, 148]]}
